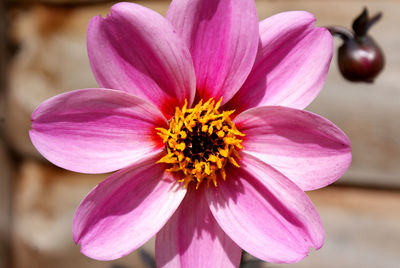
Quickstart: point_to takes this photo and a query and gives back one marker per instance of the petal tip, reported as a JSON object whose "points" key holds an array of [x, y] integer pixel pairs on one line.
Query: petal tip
{"points": [[94, 254]]}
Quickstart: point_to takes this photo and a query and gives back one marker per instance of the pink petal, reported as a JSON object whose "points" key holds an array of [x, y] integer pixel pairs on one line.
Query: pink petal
{"points": [[291, 64], [223, 39], [192, 237], [265, 213], [307, 148], [136, 50], [125, 210], [96, 130]]}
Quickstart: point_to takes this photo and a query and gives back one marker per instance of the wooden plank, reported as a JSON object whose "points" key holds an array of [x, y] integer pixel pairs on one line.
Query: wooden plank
{"points": [[361, 229], [45, 200], [6, 176], [5, 161]]}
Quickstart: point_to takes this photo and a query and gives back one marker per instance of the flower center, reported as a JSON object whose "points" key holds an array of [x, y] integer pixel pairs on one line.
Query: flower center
{"points": [[200, 141]]}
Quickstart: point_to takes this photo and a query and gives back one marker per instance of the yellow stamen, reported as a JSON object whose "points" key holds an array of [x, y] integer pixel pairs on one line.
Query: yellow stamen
{"points": [[200, 142]]}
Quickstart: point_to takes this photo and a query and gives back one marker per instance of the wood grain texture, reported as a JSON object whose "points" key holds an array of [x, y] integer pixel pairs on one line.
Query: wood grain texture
{"points": [[361, 226], [6, 178], [45, 200]]}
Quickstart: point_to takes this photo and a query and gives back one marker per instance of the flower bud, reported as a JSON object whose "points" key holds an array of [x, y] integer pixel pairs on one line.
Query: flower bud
{"points": [[360, 58]]}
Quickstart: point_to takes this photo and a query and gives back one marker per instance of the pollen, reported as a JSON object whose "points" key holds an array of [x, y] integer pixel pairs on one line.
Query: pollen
{"points": [[200, 142]]}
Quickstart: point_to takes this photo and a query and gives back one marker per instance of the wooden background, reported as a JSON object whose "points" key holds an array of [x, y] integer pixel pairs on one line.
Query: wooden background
{"points": [[43, 53]]}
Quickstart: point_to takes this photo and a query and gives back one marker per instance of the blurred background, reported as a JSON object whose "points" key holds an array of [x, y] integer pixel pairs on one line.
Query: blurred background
{"points": [[43, 53]]}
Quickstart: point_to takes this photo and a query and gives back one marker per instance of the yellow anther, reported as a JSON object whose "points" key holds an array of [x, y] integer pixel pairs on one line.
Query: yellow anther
{"points": [[233, 161], [239, 146], [236, 132], [223, 174], [183, 134], [213, 158], [191, 125], [221, 134], [184, 107], [198, 167], [218, 104], [181, 146], [210, 130], [214, 180], [169, 159], [163, 131], [232, 140], [219, 163], [223, 152], [207, 168], [171, 143]]}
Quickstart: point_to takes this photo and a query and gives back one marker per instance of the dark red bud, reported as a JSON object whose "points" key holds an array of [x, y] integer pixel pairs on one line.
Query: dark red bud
{"points": [[360, 58]]}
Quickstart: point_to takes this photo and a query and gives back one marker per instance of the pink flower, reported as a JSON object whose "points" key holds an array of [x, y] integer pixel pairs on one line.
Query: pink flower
{"points": [[138, 123]]}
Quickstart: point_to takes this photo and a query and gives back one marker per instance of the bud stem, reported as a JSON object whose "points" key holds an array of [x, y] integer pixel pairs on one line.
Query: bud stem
{"points": [[340, 31]]}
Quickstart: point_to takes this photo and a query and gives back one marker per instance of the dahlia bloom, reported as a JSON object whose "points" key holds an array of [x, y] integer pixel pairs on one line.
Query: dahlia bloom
{"points": [[201, 114]]}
